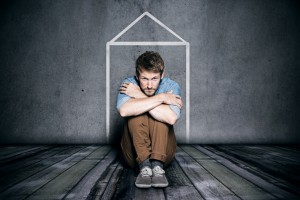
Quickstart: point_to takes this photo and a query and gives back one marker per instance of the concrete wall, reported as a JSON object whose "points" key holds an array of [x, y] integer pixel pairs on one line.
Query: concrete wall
{"points": [[244, 68]]}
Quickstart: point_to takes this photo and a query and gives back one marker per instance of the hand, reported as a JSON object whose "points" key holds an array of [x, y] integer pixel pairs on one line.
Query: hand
{"points": [[172, 99], [131, 90]]}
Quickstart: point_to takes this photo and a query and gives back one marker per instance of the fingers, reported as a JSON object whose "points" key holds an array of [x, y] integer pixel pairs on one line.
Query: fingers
{"points": [[173, 99], [179, 103], [123, 88], [125, 85]]}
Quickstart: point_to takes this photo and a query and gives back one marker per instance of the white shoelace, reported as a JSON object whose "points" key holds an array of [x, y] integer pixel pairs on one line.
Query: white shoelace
{"points": [[146, 171], [158, 171]]}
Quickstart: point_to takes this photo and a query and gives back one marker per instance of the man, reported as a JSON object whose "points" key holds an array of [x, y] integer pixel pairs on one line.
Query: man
{"points": [[150, 105]]}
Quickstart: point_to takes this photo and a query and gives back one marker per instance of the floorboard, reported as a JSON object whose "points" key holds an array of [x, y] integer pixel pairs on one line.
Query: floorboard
{"points": [[93, 172], [74, 171], [83, 188], [21, 164], [243, 188], [111, 186], [17, 155], [36, 181], [284, 175], [208, 186], [261, 179], [10, 151], [125, 187], [23, 176]]}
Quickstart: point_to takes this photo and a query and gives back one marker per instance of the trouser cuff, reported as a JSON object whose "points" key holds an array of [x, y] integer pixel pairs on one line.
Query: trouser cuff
{"points": [[158, 156], [142, 158]]}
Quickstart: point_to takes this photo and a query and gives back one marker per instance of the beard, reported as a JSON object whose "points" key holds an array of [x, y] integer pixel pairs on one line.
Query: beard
{"points": [[149, 92]]}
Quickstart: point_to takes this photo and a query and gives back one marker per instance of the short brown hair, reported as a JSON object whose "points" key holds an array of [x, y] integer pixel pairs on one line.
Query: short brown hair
{"points": [[150, 61]]}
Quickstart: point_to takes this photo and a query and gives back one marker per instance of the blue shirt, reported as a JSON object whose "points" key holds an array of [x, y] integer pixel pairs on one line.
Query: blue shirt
{"points": [[165, 86]]}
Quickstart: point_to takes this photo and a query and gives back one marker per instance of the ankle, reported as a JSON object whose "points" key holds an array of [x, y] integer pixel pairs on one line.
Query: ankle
{"points": [[145, 163], [155, 163]]}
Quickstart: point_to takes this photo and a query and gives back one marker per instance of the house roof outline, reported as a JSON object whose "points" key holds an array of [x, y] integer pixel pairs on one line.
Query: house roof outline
{"points": [[115, 42]]}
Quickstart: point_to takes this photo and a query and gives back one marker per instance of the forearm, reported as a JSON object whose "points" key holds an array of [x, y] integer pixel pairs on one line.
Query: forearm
{"points": [[137, 106], [158, 105], [164, 114]]}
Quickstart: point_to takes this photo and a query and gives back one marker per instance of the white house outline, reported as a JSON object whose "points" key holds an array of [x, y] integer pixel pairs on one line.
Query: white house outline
{"points": [[182, 42]]}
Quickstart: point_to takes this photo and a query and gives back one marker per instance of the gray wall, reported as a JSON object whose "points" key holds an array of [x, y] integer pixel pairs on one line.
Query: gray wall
{"points": [[244, 68]]}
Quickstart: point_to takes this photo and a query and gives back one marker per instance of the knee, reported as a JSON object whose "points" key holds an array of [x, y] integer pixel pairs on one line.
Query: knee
{"points": [[162, 124], [163, 127], [138, 120]]}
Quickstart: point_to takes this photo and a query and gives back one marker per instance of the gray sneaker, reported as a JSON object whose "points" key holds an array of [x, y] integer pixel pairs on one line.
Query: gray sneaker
{"points": [[159, 178], [144, 178]]}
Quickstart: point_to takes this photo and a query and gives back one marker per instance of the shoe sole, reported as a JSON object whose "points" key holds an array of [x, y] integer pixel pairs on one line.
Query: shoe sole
{"points": [[159, 185], [142, 186]]}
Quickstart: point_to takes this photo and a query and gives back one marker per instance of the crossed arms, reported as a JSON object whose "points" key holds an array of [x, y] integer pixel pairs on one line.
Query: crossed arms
{"points": [[157, 106]]}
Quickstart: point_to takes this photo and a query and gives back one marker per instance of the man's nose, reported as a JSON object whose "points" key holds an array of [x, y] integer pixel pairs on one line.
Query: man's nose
{"points": [[149, 85]]}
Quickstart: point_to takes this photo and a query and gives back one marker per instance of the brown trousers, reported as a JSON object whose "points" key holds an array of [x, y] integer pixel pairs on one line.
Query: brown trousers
{"points": [[144, 137]]}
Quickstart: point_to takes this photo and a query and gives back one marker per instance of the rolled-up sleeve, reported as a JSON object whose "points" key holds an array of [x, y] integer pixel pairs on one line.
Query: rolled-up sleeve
{"points": [[176, 109], [176, 90], [122, 98]]}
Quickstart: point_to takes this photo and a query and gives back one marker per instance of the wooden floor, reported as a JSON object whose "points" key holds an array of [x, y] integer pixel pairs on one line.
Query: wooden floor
{"points": [[197, 172]]}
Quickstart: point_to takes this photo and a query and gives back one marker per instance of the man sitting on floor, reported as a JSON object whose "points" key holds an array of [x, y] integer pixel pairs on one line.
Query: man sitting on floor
{"points": [[150, 105]]}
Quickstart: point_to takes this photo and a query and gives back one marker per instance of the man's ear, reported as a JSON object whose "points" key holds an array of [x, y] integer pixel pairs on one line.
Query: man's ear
{"points": [[162, 75]]}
